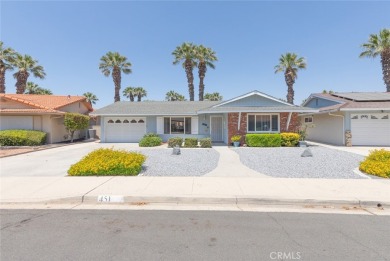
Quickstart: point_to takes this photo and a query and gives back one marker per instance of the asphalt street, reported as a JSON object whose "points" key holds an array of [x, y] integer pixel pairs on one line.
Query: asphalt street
{"points": [[191, 235]]}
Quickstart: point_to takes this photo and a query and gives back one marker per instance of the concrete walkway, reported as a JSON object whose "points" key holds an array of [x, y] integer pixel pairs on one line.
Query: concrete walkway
{"points": [[229, 165]]}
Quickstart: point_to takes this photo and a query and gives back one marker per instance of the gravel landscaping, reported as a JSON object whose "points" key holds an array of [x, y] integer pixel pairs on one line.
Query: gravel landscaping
{"points": [[288, 163], [191, 162]]}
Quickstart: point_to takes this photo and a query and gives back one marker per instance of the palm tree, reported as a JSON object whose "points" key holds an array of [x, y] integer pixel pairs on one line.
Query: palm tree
{"points": [[213, 96], [186, 53], [6, 57], [33, 88], [115, 64], [140, 92], [174, 96], [289, 63], [380, 45], [91, 98], [26, 65], [129, 92], [205, 58]]}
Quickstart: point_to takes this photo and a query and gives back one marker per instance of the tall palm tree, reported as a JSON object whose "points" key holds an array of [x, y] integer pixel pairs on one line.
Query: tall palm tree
{"points": [[129, 92], [140, 92], [26, 65], [33, 88], [186, 53], [6, 57], [215, 96], [380, 45], [113, 63], [289, 63], [174, 96], [205, 58], [91, 98]]}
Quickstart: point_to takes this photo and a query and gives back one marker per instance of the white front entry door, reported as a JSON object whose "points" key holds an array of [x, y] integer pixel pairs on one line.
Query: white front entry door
{"points": [[370, 129], [216, 128], [124, 129]]}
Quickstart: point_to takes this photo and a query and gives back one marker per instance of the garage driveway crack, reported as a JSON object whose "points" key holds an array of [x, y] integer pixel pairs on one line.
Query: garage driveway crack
{"points": [[82, 198]]}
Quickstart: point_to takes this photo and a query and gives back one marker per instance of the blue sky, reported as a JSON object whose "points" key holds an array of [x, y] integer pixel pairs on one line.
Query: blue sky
{"points": [[68, 39]]}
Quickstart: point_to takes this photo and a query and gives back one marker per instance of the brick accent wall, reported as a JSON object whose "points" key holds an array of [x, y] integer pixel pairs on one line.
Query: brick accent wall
{"points": [[294, 122], [233, 124]]}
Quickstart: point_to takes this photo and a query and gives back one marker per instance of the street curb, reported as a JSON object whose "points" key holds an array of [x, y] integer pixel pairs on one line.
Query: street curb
{"points": [[143, 200]]}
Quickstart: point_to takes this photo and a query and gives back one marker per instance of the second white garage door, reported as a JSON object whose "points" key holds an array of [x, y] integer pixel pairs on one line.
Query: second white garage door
{"points": [[124, 129], [370, 129]]}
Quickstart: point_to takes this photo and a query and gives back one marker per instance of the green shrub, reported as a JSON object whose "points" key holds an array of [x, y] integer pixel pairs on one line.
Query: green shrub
{"points": [[191, 142], [377, 163], [289, 139], [22, 138], [108, 162], [205, 143], [172, 142], [74, 122], [150, 142], [263, 140], [151, 134]]}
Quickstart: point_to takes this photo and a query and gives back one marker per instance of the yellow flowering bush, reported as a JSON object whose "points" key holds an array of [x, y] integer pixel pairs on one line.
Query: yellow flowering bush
{"points": [[377, 163], [108, 162], [289, 139]]}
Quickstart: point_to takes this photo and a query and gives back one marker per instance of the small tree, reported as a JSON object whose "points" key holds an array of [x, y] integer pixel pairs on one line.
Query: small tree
{"points": [[74, 122]]}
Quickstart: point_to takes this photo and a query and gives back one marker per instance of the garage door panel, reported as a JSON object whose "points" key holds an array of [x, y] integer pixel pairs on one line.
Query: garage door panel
{"points": [[16, 122], [370, 129], [124, 129]]}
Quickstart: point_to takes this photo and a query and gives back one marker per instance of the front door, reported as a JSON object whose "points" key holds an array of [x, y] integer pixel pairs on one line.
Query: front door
{"points": [[216, 129]]}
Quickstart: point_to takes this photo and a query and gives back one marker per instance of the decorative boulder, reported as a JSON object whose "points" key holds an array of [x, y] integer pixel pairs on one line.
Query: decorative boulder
{"points": [[307, 153], [176, 150]]}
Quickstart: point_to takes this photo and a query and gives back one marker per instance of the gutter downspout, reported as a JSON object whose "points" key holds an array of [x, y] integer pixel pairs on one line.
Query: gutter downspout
{"points": [[239, 121], [342, 116], [288, 120]]}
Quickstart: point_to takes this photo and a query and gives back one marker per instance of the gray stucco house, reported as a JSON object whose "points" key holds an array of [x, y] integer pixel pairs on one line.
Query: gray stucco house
{"points": [[355, 118], [254, 112]]}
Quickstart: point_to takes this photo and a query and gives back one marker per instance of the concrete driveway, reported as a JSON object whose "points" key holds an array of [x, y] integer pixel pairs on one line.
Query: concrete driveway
{"points": [[52, 162]]}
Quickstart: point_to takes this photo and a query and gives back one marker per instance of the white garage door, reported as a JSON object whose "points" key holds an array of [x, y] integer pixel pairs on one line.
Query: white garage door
{"points": [[16, 122], [124, 129], [370, 129]]}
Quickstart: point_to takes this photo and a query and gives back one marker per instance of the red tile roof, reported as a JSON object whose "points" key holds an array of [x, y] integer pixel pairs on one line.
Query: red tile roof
{"points": [[43, 103]]}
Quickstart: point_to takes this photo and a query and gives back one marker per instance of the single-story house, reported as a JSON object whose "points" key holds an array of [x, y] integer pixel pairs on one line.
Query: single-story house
{"points": [[254, 112], [41, 112], [353, 118]]}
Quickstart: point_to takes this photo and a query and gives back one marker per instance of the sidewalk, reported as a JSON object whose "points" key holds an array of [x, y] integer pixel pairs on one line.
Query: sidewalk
{"points": [[202, 190]]}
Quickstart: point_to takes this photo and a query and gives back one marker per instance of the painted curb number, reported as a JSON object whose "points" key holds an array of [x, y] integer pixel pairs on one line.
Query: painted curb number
{"points": [[110, 199]]}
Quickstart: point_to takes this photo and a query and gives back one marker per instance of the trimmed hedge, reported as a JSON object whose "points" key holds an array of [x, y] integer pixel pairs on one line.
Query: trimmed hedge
{"points": [[191, 142], [377, 163], [289, 139], [22, 138], [150, 135], [172, 142], [263, 140], [150, 141], [108, 162], [205, 143]]}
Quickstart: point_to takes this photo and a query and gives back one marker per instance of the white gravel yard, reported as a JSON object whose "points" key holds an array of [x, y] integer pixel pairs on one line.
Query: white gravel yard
{"points": [[288, 163], [191, 162]]}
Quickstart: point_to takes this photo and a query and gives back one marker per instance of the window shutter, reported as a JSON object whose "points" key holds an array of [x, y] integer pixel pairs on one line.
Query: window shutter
{"points": [[160, 125], [194, 125]]}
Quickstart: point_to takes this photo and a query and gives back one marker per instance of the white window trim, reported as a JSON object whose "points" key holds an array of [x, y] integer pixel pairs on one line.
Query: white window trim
{"points": [[268, 114], [170, 130], [308, 117]]}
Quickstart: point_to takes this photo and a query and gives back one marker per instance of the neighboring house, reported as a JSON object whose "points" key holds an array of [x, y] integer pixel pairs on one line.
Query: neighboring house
{"points": [[254, 112], [41, 112], [355, 118]]}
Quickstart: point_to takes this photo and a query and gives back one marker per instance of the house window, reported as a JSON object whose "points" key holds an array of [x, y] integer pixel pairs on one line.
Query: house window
{"points": [[309, 119], [263, 123], [125, 121], [177, 125], [110, 121], [118, 121]]}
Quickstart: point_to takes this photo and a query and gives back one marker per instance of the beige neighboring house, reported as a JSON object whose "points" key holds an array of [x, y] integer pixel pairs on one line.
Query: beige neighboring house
{"points": [[41, 112], [350, 118]]}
